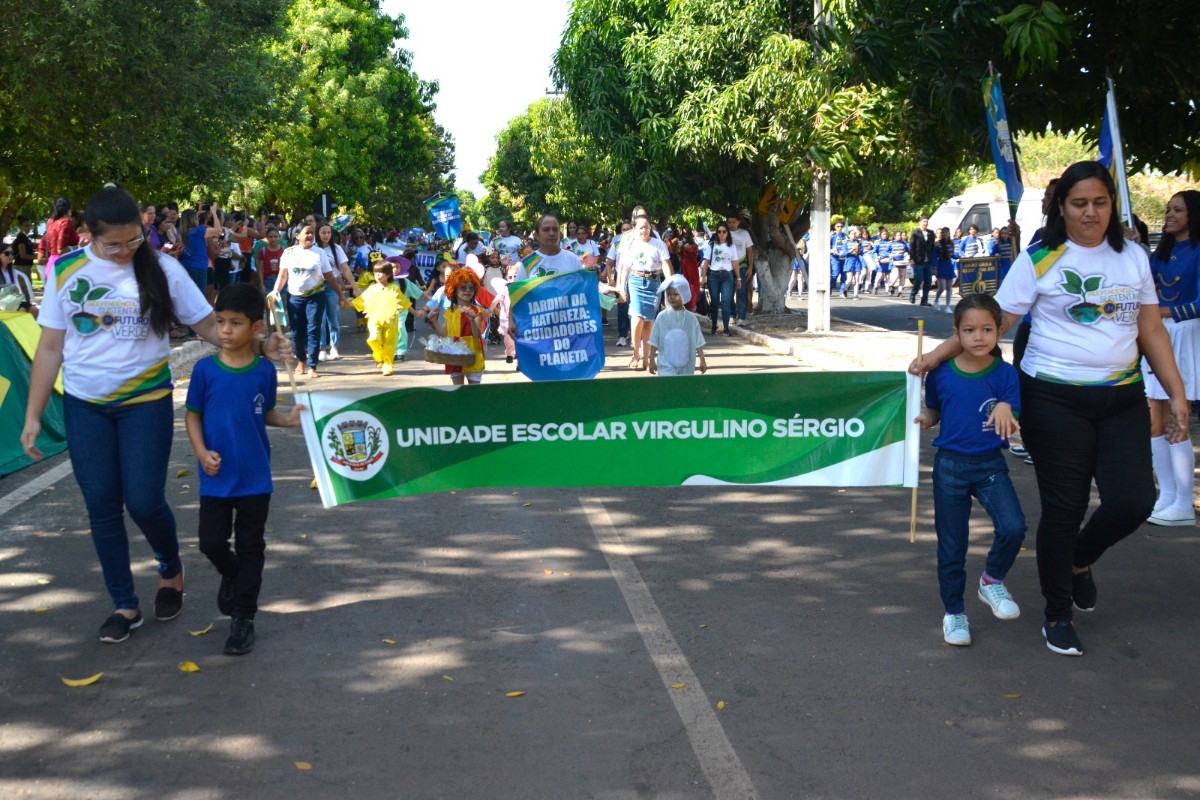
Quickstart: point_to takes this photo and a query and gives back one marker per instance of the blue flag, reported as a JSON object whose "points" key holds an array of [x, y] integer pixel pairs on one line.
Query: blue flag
{"points": [[1112, 155], [1003, 153], [444, 214], [557, 317]]}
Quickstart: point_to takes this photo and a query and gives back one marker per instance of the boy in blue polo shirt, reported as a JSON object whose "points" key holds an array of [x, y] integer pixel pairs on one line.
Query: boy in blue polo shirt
{"points": [[976, 397], [230, 401]]}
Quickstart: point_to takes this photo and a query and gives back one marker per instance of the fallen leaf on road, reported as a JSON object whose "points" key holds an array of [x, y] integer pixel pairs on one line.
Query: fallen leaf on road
{"points": [[202, 631], [678, 685], [311, 485], [81, 681], [1011, 696], [567, 574], [183, 473], [189, 666], [388, 641], [526, 505], [303, 765], [447, 678], [949, 723], [548, 571], [41, 610], [514, 694], [720, 705], [42, 581], [704, 625]]}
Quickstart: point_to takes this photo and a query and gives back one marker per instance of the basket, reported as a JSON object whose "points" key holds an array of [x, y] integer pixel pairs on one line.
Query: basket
{"points": [[453, 359]]}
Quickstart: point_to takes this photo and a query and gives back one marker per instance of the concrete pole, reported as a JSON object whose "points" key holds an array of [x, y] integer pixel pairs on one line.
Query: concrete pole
{"points": [[818, 240], [818, 256]]}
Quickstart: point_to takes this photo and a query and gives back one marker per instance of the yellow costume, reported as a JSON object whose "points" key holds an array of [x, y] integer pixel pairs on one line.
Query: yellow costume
{"points": [[460, 328], [382, 304]]}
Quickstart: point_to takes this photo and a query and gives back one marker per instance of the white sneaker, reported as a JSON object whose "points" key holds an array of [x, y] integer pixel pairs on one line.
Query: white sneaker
{"points": [[333, 353], [622, 342], [999, 600], [323, 355], [1173, 517], [955, 630]]}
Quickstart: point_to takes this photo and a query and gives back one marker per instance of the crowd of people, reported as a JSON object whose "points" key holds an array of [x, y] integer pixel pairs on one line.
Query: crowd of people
{"points": [[1102, 325]]}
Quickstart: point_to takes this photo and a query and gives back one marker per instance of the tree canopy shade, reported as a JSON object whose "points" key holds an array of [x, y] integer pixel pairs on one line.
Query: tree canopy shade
{"points": [[256, 100], [146, 94]]}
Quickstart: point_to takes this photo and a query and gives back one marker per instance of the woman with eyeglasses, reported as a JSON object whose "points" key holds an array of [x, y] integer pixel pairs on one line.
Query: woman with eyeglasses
{"points": [[718, 259], [11, 276], [105, 318]]}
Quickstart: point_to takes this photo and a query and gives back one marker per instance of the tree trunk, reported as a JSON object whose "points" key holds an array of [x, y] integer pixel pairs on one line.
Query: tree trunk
{"points": [[12, 206], [773, 261]]}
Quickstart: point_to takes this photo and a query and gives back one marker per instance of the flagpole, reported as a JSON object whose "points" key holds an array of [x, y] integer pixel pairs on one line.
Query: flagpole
{"points": [[912, 521], [287, 367], [1118, 154]]}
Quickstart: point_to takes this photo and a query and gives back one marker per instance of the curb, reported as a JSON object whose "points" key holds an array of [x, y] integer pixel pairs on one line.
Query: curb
{"points": [[187, 354]]}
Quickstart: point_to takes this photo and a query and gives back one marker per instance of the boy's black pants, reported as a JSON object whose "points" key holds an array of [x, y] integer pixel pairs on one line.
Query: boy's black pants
{"points": [[245, 518]]}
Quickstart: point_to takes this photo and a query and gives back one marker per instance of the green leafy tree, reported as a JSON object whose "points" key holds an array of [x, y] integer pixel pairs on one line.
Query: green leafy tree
{"points": [[150, 95], [351, 116]]}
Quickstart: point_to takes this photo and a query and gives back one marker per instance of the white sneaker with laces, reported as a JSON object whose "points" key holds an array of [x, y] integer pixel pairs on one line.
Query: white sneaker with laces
{"points": [[996, 596], [955, 630], [333, 353], [1173, 516]]}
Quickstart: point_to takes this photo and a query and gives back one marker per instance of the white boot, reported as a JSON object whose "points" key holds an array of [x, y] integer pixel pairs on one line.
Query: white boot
{"points": [[1164, 470], [1183, 459]]}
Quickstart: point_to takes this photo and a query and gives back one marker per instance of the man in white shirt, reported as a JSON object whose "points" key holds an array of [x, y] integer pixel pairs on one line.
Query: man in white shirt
{"points": [[549, 258], [745, 256]]}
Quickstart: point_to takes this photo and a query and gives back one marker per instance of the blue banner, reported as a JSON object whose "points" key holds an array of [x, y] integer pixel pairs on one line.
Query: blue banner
{"points": [[444, 214], [1003, 153], [557, 317], [1112, 155]]}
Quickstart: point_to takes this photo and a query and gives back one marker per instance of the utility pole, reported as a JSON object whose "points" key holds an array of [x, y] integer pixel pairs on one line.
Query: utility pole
{"points": [[818, 240]]}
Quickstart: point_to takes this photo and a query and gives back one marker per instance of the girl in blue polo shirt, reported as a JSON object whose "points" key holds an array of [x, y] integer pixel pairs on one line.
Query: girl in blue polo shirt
{"points": [[976, 398]]}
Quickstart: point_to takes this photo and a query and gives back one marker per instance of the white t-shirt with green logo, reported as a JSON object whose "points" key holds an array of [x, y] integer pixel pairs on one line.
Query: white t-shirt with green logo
{"points": [[542, 264], [1085, 310]]}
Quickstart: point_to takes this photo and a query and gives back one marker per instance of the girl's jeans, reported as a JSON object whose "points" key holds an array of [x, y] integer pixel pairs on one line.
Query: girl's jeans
{"points": [[120, 456]]}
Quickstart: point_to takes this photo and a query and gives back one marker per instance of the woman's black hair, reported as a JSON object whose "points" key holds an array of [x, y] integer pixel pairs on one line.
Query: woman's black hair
{"points": [[1055, 232], [983, 302], [1191, 201], [715, 238], [62, 207], [112, 206]]}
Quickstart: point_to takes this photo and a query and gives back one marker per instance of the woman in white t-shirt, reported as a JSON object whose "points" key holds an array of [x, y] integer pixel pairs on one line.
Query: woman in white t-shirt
{"points": [[305, 272], [506, 244], [718, 268], [1084, 416], [331, 327], [105, 318], [642, 261]]}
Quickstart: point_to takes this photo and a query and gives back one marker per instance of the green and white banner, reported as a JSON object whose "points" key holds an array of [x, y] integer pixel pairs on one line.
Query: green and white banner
{"points": [[792, 429]]}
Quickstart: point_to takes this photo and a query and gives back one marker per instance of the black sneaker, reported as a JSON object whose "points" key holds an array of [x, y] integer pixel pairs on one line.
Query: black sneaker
{"points": [[1083, 591], [168, 603], [225, 596], [1062, 639], [117, 627], [241, 637]]}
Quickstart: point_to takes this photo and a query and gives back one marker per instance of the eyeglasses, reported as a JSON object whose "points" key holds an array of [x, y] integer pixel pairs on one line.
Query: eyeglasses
{"points": [[722, 230], [115, 249]]}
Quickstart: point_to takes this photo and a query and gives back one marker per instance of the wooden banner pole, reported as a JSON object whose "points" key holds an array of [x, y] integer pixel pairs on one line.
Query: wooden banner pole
{"points": [[912, 522]]}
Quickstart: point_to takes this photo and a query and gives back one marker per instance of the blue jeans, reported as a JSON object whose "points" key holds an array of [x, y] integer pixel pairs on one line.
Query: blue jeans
{"points": [[720, 286], [743, 293], [120, 456], [956, 478], [331, 327], [305, 315], [199, 277], [922, 280]]}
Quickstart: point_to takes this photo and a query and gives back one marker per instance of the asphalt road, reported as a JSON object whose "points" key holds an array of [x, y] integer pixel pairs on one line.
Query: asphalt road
{"points": [[802, 625]]}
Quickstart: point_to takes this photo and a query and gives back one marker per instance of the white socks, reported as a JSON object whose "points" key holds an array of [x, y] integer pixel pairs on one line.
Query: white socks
{"points": [[1164, 470], [1183, 462]]}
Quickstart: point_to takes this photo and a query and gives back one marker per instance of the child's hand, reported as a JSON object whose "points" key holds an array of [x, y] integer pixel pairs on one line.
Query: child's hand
{"points": [[703, 364], [292, 418], [1002, 421], [652, 365], [210, 462], [925, 420]]}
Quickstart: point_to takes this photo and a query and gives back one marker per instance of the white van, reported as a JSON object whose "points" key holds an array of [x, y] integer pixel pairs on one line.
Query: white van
{"points": [[989, 210]]}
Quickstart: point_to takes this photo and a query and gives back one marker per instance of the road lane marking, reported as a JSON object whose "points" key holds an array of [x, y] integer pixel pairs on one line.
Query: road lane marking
{"points": [[34, 487], [720, 763]]}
